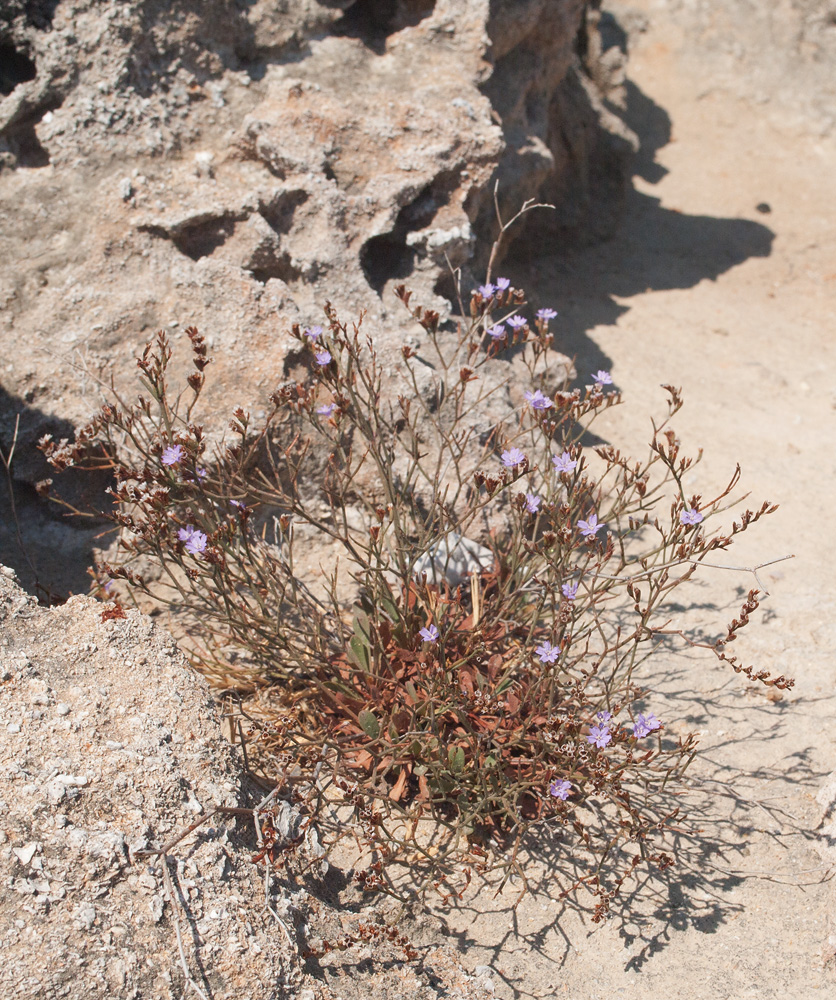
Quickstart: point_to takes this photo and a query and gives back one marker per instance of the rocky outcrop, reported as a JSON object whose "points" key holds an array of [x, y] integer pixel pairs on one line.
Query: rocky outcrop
{"points": [[234, 165]]}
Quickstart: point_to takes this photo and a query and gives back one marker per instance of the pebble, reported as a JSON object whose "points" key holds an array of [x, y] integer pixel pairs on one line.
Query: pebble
{"points": [[13, 728], [62, 708]]}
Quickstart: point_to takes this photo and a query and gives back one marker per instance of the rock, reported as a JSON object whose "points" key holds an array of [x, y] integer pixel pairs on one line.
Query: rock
{"points": [[243, 163], [78, 922]]}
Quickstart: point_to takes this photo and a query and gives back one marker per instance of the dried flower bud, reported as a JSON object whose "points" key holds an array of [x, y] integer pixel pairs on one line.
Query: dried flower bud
{"points": [[284, 522], [374, 531], [467, 375], [407, 352]]}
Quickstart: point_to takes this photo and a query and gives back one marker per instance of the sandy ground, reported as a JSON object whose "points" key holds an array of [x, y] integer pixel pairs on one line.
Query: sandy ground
{"points": [[737, 306]]}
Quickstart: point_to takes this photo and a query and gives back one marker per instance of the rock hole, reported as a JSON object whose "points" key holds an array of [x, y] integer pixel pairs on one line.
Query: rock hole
{"points": [[25, 146], [280, 267], [15, 67], [373, 21], [387, 256], [200, 239], [279, 213]]}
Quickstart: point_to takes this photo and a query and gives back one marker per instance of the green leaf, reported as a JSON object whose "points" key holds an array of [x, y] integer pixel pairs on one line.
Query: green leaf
{"points": [[455, 755], [360, 652], [361, 628], [504, 684], [368, 720], [391, 609]]}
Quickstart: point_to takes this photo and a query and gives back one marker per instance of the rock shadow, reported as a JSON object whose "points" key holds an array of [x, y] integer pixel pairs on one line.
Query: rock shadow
{"points": [[653, 249], [48, 548]]}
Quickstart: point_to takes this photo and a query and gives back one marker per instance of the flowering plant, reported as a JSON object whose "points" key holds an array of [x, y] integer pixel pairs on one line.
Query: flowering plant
{"points": [[465, 670]]}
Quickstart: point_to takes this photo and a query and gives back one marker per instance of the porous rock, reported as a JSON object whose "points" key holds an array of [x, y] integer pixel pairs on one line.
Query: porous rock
{"points": [[234, 165], [109, 745]]}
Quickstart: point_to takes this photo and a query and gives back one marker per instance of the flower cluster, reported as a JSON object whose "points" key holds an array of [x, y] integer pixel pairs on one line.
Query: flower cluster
{"points": [[471, 591]]}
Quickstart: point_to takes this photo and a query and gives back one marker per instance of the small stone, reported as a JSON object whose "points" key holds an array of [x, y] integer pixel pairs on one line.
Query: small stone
{"points": [[13, 728], [25, 854], [62, 708], [126, 189], [114, 745]]}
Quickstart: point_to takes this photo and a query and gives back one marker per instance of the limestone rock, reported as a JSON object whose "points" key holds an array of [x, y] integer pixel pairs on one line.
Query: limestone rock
{"points": [[109, 744]]}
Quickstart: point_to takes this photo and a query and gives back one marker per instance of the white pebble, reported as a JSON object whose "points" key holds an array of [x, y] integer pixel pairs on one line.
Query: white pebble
{"points": [[62, 708]]}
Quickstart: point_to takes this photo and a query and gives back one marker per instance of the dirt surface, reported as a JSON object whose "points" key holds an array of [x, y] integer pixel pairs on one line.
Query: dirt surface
{"points": [[736, 304]]}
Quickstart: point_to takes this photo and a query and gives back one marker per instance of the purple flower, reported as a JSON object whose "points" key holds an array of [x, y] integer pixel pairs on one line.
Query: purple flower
{"points": [[313, 332], [196, 543], [201, 473], [591, 527], [603, 716], [570, 591], [516, 322], [323, 358], [512, 458], [604, 378], [326, 409], [690, 517], [532, 502], [564, 463], [600, 736], [172, 455], [538, 401], [546, 314], [238, 504], [502, 284], [644, 725], [496, 331], [429, 634], [560, 789], [547, 653], [195, 540], [486, 291]]}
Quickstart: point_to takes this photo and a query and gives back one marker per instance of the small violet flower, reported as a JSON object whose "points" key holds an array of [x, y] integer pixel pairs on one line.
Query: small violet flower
{"points": [[195, 540], [546, 314], [516, 322], [502, 284], [323, 358], [690, 517], [512, 458], [564, 462], [312, 332], [603, 716], [644, 725], [560, 789], [547, 653], [429, 634], [486, 291], [326, 409], [172, 455], [496, 331], [591, 527], [538, 401], [201, 473], [600, 736], [532, 503], [569, 590], [602, 377]]}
